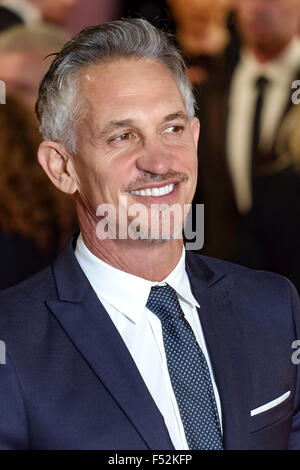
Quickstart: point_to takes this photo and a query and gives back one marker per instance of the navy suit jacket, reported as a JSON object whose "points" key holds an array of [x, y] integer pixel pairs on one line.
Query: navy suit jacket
{"points": [[69, 381]]}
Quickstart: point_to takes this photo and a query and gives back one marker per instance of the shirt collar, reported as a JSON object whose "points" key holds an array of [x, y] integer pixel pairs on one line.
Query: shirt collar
{"points": [[126, 292], [288, 60]]}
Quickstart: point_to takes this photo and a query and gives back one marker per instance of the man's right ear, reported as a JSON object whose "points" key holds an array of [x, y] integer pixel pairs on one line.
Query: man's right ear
{"points": [[58, 165]]}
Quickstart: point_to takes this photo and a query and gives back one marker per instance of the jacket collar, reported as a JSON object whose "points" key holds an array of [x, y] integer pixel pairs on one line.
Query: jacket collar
{"points": [[72, 284]]}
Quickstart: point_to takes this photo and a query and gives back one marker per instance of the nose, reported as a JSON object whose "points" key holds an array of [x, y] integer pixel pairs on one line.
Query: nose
{"points": [[154, 158]]}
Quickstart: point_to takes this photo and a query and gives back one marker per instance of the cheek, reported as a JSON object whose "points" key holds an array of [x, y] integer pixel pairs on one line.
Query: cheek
{"points": [[190, 160], [192, 168], [105, 182]]}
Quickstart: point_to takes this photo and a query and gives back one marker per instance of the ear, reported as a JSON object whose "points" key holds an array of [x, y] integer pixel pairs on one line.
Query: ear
{"points": [[195, 126], [57, 164]]}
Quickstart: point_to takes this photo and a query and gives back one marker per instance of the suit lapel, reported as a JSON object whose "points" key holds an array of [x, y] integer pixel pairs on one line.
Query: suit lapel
{"points": [[92, 332], [226, 343], [90, 328]]}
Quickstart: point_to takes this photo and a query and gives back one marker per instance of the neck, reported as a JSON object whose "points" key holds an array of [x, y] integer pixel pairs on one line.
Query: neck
{"points": [[267, 52], [151, 260]]}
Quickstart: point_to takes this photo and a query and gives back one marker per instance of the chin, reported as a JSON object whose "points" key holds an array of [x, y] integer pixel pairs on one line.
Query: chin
{"points": [[157, 234]]}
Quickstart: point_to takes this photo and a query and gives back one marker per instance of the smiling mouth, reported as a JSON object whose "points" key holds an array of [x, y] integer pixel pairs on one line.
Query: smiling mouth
{"points": [[156, 191]]}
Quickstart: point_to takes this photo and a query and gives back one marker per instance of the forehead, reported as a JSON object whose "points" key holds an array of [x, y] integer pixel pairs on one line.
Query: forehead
{"points": [[124, 84]]}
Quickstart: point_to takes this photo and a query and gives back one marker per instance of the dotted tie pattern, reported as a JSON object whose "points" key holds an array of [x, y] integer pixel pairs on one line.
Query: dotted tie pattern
{"points": [[188, 371]]}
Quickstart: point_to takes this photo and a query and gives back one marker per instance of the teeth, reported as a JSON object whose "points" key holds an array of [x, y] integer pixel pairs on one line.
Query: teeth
{"points": [[154, 191]]}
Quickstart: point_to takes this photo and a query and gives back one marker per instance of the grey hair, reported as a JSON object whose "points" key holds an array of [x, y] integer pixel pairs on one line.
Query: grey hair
{"points": [[58, 106]]}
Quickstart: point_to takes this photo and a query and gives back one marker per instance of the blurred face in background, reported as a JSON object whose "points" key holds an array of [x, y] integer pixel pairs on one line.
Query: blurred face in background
{"points": [[22, 72], [55, 11], [267, 23], [201, 24]]}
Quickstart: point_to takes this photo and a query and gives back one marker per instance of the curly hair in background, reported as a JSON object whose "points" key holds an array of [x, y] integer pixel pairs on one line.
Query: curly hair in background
{"points": [[30, 205]]}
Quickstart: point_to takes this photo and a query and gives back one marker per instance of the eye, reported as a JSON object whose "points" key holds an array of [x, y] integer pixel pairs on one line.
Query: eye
{"points": [[123, 137], [173, 129]]}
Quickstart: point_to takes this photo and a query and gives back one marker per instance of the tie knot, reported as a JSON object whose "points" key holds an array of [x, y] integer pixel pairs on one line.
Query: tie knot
{"points": [[163, 301], [261, 82]]}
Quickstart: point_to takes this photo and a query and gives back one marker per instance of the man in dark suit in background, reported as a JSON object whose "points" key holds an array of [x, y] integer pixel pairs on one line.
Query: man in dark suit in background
{"points": [[128, 341], [250, 199]]}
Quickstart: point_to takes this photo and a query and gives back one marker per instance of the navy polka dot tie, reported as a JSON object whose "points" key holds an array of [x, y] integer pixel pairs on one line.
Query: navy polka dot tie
{"points": [[188, 371]]}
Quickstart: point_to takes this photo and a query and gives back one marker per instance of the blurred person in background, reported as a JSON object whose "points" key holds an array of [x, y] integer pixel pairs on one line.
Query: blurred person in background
{"points": [[153, 10], [35, 218], [201, 28], [13, 12], [241, 115], [23, 62], [91, 12], [273, 224], [8, 18]]}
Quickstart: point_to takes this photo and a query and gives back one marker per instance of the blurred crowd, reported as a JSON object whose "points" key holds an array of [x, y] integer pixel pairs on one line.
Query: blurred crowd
{"points": [[243, 60]]}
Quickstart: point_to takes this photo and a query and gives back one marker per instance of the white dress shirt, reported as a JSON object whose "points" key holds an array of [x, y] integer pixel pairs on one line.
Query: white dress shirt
{"points": [[242, 101], [124, 296]]}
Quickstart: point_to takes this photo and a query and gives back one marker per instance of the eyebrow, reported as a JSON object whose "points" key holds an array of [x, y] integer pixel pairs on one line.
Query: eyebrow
{"points": [[115, 125], [177, 115]]}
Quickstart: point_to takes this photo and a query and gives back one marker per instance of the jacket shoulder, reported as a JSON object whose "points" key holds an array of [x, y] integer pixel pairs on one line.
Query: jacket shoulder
{"points": [[243, 276], [20, 304]]}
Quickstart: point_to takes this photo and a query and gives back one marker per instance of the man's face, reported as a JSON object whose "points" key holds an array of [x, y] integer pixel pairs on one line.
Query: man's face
{"points": [[198, 13], [267, 21], [134, 136], [201, 25]]}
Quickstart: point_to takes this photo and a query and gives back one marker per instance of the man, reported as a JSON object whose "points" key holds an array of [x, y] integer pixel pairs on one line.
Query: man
{"points": [[13, 12], [128, 342], [240, 180], [201, 28]]}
